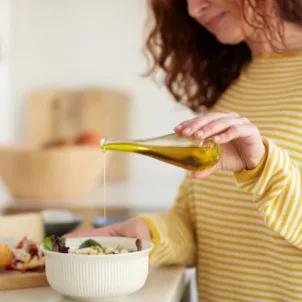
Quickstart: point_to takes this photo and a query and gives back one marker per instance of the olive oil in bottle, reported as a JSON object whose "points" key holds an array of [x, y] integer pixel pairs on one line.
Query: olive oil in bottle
{"points": [[187, 153]]}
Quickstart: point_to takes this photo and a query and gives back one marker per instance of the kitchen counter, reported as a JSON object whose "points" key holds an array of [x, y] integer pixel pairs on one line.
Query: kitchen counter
{"points": [[142, 196], [165, 284]]}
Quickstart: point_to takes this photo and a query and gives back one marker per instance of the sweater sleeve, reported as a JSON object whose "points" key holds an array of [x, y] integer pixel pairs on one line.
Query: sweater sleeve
{"points": [[276, 187], [172, 231]]}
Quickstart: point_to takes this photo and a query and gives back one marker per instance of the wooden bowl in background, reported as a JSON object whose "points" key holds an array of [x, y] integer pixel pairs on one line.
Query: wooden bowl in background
{"points": [[60, 173]]}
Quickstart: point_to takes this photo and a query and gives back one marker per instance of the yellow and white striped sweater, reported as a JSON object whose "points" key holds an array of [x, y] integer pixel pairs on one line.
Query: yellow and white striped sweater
{"points": [[244, 230]]}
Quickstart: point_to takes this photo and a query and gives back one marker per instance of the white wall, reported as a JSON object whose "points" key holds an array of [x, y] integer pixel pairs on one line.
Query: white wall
{"points": [[78, 43], [6, 104]]}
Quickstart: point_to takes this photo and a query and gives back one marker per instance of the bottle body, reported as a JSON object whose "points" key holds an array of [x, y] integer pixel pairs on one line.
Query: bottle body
{"points": [[186, 153]]}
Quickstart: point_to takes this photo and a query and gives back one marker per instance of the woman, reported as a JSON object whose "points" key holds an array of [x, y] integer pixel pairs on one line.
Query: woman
{"points": [[241, 222]]}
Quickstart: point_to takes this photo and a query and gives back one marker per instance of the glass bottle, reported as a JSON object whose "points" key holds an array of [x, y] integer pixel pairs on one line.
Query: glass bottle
{"points": [[187, 153]]}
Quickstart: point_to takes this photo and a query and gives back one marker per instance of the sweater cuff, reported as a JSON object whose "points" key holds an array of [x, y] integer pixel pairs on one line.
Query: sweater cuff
{"points": [[155, 236], [247, 175]]}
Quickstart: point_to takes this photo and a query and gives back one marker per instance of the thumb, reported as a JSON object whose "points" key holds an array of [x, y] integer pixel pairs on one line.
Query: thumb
{"points": [[205, 173], [134, 228]]}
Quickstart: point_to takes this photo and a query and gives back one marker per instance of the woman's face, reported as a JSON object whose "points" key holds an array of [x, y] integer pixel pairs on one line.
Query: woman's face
{"points": [[223, 18]]}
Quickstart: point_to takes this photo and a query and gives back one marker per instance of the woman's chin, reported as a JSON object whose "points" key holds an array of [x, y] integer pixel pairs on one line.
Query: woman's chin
{"points": [[226, 38]]}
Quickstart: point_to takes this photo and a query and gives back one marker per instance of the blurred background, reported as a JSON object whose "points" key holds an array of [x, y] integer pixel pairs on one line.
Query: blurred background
{"points": [[69, 66]]}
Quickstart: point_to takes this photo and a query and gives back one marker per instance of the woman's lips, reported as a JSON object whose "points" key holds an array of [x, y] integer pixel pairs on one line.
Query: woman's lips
{"points": [[214, 21]]}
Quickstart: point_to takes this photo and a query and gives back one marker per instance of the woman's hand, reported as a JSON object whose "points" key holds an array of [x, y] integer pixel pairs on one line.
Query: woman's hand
{"points": [[132, 228], [241, 142]]}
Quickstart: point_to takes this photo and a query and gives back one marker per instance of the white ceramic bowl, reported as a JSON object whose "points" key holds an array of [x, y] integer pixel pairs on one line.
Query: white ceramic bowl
{"points": [[98, 277]]}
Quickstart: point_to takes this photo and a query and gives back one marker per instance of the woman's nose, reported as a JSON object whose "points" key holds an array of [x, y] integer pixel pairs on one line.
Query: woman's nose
{"points": [[196, 8]]}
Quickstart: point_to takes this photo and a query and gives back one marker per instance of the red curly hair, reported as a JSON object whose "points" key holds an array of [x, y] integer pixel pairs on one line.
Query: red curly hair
{"points": [[197, 68]]}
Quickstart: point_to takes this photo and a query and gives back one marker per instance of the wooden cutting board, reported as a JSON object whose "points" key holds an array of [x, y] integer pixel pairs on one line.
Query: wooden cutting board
{"points": [[18, 280], [15, 227]]}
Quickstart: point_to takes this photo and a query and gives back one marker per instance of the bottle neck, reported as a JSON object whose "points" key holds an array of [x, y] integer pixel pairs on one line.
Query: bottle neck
{"points": [[118, 145]]}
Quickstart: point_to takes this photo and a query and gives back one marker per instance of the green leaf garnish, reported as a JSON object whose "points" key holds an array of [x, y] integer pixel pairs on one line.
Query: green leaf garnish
{"points": [[47, 244], [55, 244], [89, 243]]}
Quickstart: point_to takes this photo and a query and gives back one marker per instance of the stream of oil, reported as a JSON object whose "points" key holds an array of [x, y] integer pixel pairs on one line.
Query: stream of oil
{"points": [[104, 192]]}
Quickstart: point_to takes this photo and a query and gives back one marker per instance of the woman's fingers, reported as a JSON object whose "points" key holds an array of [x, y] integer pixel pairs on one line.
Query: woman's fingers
{"points": [[236, 131], [178, 129], [219, 126], [190, 127]]}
